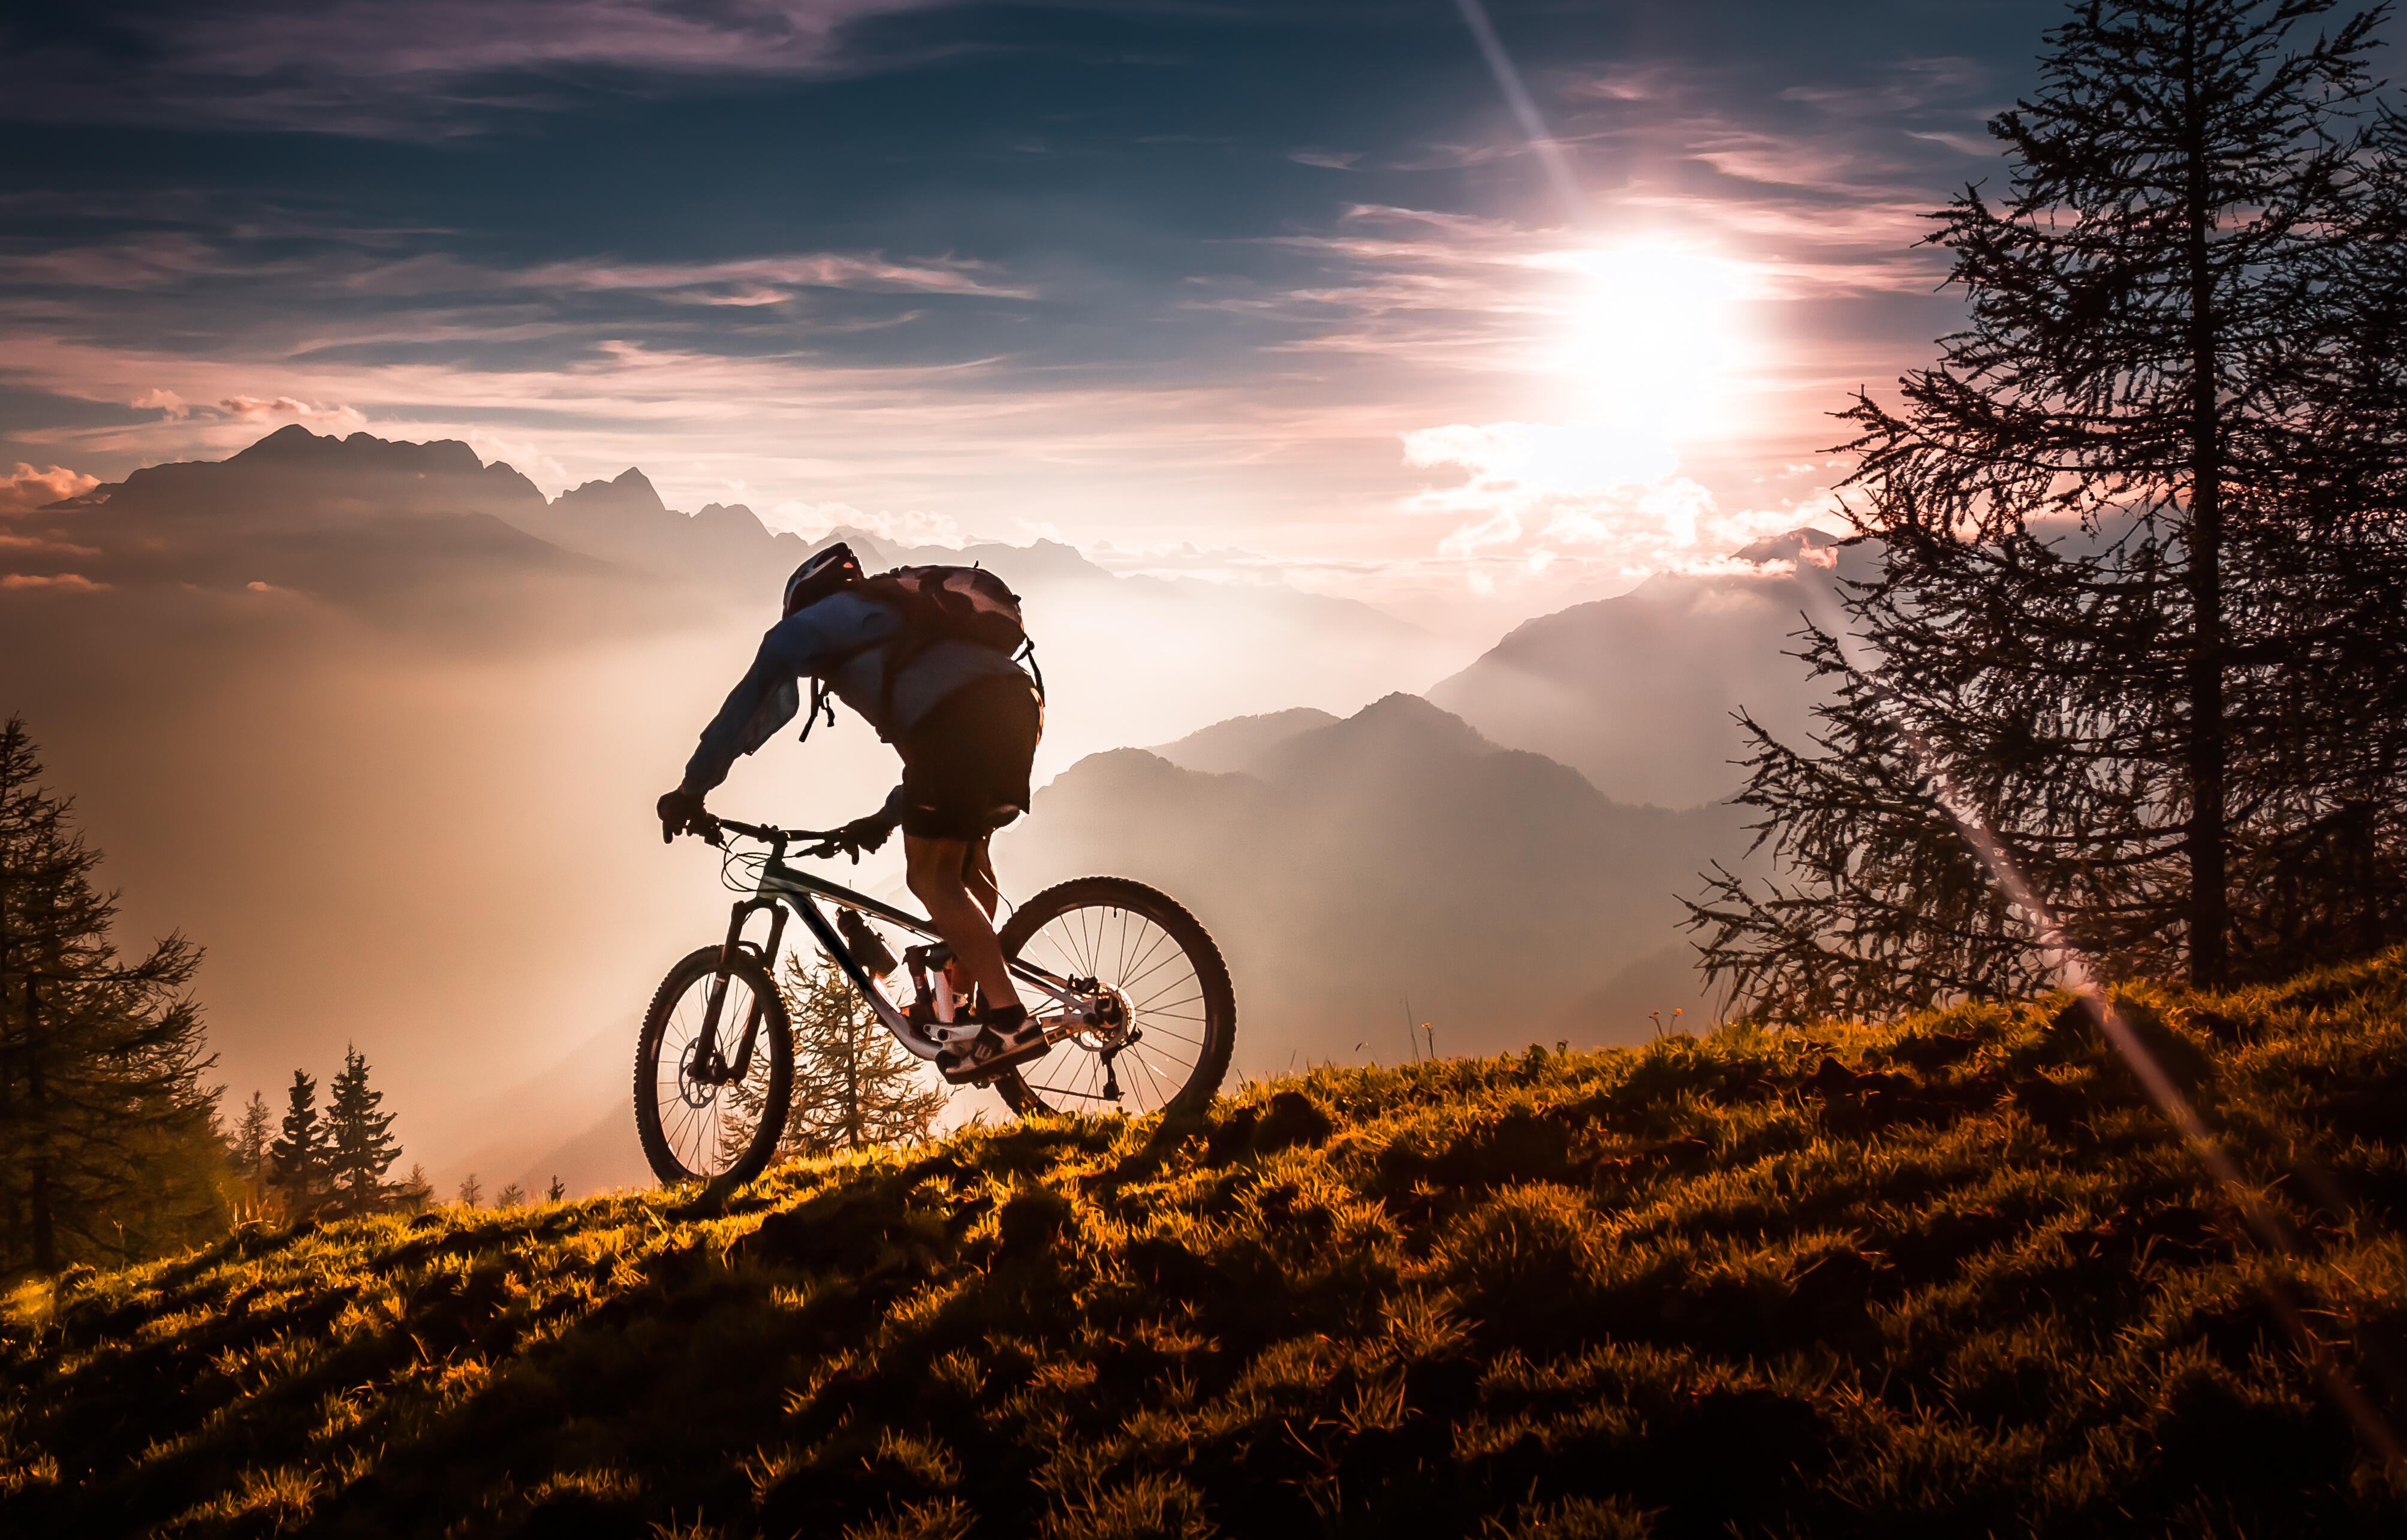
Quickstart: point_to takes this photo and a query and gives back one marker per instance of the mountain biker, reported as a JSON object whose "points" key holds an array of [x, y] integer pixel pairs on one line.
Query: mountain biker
{"points": [[965, 718]]}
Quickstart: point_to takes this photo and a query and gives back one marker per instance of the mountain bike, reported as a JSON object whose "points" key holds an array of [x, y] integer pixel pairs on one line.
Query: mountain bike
{"points": [[1132, 994]]}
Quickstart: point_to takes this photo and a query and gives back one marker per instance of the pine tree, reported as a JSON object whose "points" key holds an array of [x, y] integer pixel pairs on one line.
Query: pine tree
{"points": [[853, 1085], [363, 1150], [248, 1158], [557, 1191], [2133, 637], [298, 1160], [109, 1149], [416, 1195], [472, 1192], [512, 1196]]}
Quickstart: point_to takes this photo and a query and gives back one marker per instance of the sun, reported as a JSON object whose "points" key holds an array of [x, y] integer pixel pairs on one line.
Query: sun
{"points": [[1653, 344]]}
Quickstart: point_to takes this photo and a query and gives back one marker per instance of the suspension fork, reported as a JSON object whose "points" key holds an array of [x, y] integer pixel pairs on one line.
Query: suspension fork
{"points": [[706, 1042]]}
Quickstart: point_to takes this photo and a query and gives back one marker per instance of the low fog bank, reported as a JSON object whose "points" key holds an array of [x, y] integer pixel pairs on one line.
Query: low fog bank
{"points": [[336, 711]]}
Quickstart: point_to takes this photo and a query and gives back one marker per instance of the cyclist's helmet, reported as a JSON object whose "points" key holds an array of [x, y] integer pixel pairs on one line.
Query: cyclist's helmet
{"points": [[824, 573]]}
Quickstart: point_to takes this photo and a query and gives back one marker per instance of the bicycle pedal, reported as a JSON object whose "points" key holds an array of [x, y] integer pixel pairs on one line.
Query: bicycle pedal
{"points": [[977, 1072]]}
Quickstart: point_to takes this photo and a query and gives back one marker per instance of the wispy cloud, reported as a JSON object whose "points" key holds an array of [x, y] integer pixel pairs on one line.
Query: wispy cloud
{"points": [[430, 69], [58, 582], [814, 270]]}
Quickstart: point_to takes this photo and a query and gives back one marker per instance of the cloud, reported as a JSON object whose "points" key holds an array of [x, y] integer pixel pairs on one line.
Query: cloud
{"points": [[911, 527], [432, 68], [1502, 527], [248, 409], [27, 487], [1609, 490], [1540, 457], [45, 545], [1330, 159], [815, 270], [62, 582]]}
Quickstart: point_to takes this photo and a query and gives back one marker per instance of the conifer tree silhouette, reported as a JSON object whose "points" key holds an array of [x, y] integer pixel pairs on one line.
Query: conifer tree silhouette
{"points": [[853, 1087], [248, 1157], [363, 1150], [2138, 605], [109, 1143], [298, 1160]]}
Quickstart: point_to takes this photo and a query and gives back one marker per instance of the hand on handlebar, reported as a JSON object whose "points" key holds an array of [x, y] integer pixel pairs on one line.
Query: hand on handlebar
{"points": [[864, 835], [681, 812], [855, 839]]}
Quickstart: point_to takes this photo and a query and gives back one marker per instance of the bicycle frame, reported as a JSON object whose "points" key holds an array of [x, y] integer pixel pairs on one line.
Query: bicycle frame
{"points": [[784, 891]]}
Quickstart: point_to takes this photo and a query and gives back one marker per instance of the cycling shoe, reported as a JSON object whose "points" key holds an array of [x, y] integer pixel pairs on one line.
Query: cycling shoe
{"points": [[998, 1046]]}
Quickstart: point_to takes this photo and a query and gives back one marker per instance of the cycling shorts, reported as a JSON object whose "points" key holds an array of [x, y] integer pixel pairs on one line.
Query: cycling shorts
{"points": [[965, 764]]}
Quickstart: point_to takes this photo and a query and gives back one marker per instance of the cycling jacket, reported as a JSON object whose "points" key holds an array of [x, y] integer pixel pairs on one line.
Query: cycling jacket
{"points": [[843, 638]]}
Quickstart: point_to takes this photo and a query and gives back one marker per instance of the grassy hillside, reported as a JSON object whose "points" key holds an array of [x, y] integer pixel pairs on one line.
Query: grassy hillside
{"points": [[1951, 1278]]}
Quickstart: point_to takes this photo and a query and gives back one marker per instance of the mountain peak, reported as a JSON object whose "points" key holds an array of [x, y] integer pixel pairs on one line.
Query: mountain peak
{"points": [[1788, 546], [1238, 741], [1401, 711], [1394, 728], [630, 490], [287, 442]]}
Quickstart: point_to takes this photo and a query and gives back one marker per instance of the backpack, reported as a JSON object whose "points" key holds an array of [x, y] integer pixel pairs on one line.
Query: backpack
{"points": [[951, 605], [939, 604]]}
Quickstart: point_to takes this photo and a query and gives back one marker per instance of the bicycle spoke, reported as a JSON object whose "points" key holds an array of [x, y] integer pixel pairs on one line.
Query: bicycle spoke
{"points": [[1127, 982], [1121, 936], [1151, 1078], [1161, 937]]}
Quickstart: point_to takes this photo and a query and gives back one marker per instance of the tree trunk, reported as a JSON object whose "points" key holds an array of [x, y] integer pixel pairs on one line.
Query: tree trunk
{"points": [[45, 1244], [2209, 906]]}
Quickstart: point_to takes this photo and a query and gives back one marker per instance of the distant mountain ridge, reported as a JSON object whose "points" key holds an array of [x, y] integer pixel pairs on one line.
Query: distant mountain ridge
{"points": [[399, 531], [283, 478], [293, 478], [1396, 854], [1636, 692], [405, 529], [1238, 743]]}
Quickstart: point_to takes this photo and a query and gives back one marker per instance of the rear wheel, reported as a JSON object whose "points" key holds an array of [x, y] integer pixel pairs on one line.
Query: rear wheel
{"points": [[700, 1116], [1165, 1047]]}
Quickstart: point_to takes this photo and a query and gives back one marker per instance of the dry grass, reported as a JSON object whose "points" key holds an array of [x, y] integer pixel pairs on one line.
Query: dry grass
{"points": [[1951, 1278]]}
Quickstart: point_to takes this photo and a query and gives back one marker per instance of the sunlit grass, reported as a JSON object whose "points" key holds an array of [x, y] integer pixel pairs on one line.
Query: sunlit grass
{"points": [[1952, 1275]]}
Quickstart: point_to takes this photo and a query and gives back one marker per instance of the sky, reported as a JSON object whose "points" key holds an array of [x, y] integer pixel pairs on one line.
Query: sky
{"points": [[1272, 291]]}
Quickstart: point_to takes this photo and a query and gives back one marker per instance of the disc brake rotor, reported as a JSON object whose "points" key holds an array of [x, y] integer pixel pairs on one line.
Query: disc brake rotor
{"points": [[697, 1085]]}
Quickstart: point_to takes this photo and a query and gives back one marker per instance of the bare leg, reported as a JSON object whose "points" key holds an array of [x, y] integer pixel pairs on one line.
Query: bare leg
{"points": [[977, 873], [942, 879]]}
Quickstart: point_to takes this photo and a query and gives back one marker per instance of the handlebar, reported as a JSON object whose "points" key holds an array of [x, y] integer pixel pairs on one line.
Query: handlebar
{"points": [[824, 842]]}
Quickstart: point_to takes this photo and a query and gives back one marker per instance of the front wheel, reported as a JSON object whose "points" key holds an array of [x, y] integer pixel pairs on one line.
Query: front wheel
{"points": [[705, 1114], [1166, 1045]]}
